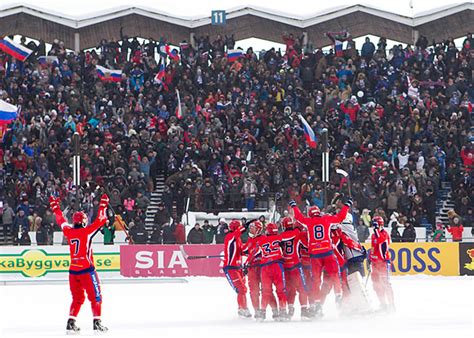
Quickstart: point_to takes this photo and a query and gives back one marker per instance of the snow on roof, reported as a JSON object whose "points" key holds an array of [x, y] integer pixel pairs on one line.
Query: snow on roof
{"points": [[192, 22]]}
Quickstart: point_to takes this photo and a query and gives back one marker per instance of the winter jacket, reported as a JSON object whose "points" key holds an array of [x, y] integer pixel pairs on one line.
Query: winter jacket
{"points": [[195, 236], [409, 234], [456, 232], [438, 236]]}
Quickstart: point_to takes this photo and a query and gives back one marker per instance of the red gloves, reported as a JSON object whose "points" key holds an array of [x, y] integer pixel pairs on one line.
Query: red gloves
{"points": [[104, 201], [54, 203]]}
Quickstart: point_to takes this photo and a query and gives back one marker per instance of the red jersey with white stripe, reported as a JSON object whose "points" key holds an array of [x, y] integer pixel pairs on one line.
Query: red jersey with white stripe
{"points": [[270, 249], [319, 240], [380, 243], [289, 243], [80, 241], [233, 248], [250, 249], [303, 248]]}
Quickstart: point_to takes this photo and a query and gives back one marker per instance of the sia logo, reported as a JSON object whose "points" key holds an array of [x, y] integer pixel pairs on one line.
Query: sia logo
{"points": [[470, 266]]}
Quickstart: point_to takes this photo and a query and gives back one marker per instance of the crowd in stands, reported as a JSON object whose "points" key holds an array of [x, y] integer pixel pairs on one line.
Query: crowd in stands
{"points": [[399, 122]]}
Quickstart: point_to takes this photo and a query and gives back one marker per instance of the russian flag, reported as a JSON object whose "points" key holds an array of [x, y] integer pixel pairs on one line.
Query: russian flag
{"points": [[8, 112], [48, 60], [105, 74], [161, 74], [234, 54], [14, 49], [311, 138], [338, 48], [165, 49]]}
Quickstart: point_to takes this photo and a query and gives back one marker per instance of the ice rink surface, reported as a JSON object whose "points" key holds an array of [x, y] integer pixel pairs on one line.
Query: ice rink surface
{"points": [[206, 307]]}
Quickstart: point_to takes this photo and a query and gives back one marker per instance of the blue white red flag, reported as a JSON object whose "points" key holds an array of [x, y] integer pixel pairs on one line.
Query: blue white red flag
{"points": [[161, 73], [8, 112], [234, 54], [309, 134], [338, 48], [105, 74], [48, 60], [14, 49]]}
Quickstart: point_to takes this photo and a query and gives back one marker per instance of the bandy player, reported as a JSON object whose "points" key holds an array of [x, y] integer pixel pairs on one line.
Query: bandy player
{"points": [[320, 249], [82, 274], [379, 259]]}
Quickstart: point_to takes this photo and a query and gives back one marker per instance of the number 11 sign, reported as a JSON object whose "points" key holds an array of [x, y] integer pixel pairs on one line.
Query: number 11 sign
{"points": [[218, 17]]}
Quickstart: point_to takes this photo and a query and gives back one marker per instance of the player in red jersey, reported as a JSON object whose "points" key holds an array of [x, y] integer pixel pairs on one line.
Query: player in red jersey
{"points": [[294, 275], [269, 247], [254, 270], [306, 264], [379, 259], [320, 249], [233, 265], [82, 274]]}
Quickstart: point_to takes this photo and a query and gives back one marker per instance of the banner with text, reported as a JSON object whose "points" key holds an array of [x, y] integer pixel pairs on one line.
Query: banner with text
{"points": [[169, 261]]}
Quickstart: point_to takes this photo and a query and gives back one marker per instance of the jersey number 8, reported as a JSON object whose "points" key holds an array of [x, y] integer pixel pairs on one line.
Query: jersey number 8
{"points": [[318, 232]]}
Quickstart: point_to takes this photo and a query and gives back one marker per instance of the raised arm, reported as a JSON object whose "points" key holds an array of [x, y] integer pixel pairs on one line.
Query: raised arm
{"points": [[341, 215], [101, 218], [298, 214], [60, 220]]}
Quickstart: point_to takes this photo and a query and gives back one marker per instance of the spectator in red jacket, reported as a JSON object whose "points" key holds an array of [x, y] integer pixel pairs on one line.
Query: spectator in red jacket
{"points": [[456, 229]]}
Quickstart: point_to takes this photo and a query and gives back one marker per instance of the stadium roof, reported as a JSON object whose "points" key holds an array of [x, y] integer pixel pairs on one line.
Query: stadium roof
{"points": [[245, 21]]}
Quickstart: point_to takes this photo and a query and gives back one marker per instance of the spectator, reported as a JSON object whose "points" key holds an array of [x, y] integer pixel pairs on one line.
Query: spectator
{"points": [[20, 224], [24, 238], [180, 233], [368, 49], [169, 236], [156, 236], [222, 230], [456, 229], [138, 233], [42, 234], [395, 233], [196, 235], [161, 215], [438, 234], [209, 232], [109, 232], [7, 220], [362, 231], [409, 232]]}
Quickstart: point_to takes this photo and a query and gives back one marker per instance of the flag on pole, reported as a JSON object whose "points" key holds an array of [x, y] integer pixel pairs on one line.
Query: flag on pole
{"points": [[311, 138], [8, 112], [105, 74], [179, 111], [234, 54], [338, 48], [14, 49], [342, 172], [161, 73], [165, 50]]}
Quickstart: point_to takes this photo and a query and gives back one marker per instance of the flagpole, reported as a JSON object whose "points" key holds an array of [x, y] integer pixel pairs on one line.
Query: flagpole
{"points": [[325, 163]]}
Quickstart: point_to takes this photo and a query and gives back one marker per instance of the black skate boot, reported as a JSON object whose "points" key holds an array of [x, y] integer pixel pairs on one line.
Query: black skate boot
{"points": [[260, 315], [275, 315], [316, 311], [283, 315], [244, 313], [98, 327], [291, 311], [71, 327], [305, 314]]}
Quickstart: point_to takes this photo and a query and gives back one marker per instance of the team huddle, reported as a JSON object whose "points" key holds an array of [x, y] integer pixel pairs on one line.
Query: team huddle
{"points": [[313, 255]]}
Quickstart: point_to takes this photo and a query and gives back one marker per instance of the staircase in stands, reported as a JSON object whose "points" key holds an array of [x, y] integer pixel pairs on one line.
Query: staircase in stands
{"points": [[155, 199], [444, 203]]}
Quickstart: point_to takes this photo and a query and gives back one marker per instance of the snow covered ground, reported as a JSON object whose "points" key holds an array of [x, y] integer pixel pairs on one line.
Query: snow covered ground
{"points": [[205, 307]]}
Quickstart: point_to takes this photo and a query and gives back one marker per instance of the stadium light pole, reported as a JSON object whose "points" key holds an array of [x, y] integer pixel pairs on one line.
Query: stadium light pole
{"points": [[76, 166], [325, 162]]}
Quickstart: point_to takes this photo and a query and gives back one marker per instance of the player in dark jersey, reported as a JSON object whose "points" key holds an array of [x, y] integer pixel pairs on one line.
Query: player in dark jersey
{"points": [[82, 274]]}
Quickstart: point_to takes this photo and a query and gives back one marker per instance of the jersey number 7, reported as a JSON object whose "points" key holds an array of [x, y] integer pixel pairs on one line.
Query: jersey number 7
{"points": [[76, 244]]}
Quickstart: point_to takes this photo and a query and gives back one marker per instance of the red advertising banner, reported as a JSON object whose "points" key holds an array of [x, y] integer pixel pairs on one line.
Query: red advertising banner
{"points": [[169, 261]]}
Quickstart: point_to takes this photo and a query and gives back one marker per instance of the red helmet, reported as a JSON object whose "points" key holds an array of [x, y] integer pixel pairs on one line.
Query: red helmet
{"points": [[255, 228], [271, 229], [377, 221], [314, 211], [287, 223], [79, 217], [234, 225]]}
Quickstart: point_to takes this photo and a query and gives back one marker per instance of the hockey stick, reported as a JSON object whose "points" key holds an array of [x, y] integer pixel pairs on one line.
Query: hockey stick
{"points": [[346, 175], [186, 256]]}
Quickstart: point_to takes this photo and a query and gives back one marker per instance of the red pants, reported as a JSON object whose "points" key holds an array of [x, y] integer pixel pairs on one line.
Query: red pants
{"points": [[89, 282], [328, 262], [254, 279], [273, 274], [309, 283], [236, 279], [380, 279], [328, 284], [296, 281]]}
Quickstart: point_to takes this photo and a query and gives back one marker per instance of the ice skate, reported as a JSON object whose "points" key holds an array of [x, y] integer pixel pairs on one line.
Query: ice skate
{"points": [[275, 315], [98, 327], [244, 313], [260, 315], [291, 311], [72, 328], [283, 316], [305, 314]]}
